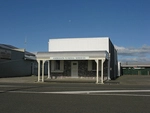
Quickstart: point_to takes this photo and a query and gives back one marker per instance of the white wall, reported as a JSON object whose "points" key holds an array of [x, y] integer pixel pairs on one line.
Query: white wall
{"points": [[119, 68], [79, 44]]}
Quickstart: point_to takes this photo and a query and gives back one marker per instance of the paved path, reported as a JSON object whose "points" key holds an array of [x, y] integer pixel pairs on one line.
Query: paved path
{"points": [[122, 80]]}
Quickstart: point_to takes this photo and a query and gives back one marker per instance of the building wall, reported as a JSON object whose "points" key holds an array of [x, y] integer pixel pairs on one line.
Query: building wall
{"points": [[79, 44], [119, 69], [113, 61], [82, 69], [16, 66]]}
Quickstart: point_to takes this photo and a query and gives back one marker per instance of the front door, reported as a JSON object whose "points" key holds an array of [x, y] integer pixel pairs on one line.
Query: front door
{"points": [[74, 69]]}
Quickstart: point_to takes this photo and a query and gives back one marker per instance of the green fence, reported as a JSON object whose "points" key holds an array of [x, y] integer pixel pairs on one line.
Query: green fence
{"points": [[132, 71]]}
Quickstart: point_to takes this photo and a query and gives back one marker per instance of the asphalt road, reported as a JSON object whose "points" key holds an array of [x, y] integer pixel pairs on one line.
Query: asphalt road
{"points": [[74, 98]]}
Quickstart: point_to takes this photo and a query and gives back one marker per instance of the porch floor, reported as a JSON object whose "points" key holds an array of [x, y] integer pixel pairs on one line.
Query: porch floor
{"points": [[73, 79]]}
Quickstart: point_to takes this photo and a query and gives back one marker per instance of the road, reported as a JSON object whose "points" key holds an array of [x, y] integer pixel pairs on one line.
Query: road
{"points": [[73, 98]]}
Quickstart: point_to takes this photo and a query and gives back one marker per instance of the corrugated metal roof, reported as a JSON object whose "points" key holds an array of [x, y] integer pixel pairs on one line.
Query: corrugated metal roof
{"points": [[135, 64], [6, 46], [10, 47], [140, 65]]}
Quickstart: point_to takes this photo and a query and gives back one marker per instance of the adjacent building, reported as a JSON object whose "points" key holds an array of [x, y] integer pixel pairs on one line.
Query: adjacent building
{"points": [[15, 61], [135, 68]]}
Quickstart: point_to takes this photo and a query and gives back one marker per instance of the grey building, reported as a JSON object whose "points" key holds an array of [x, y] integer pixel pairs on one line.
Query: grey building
{"points": [[15, 61]]}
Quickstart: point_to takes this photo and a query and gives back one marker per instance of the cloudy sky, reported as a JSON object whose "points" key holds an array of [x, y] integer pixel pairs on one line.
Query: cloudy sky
{"points": [[134, 55], [31, 23]]}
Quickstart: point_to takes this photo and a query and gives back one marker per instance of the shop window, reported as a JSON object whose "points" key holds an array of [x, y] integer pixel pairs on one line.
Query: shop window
{"points": [[93, 65], [57, 65]]}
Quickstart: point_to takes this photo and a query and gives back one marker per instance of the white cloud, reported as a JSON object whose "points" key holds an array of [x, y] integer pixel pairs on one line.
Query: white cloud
{"points": [[132, 54]]}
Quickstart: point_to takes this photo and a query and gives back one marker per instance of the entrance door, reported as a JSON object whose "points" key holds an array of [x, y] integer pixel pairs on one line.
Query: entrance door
{"points": [[74, 69]]}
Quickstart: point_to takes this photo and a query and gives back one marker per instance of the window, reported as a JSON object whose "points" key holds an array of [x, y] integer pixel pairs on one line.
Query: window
{"points": [[57, 65], [93, 65], [74, 63]]}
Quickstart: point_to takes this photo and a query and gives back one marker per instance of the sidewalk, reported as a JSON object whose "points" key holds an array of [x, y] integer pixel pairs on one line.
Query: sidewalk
{"points": [[27, 79], [134, 79], [124, 80], [72, 80], [33, 79]]}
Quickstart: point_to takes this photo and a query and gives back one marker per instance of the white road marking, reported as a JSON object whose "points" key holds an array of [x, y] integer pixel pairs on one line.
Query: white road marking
{"points": [[102, 92], [122, 95]]}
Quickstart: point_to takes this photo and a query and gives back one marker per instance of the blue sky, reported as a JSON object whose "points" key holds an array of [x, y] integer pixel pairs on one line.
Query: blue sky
{"points": [[126, 22]]}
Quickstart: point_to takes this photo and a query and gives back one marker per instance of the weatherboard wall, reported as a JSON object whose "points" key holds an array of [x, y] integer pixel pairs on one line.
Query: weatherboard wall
{"points": [[79, 44]]}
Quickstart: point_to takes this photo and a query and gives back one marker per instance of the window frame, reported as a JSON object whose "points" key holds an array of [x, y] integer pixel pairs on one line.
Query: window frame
{"points": [[91, 63], [57, 65], [54, 68]]}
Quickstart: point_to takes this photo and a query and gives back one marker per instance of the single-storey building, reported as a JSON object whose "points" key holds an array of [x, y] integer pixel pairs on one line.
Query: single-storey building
{"points": [[79, 57], [15, 62], [135, 68]]}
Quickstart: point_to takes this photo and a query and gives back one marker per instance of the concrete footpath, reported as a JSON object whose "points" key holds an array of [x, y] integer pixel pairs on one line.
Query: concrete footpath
{"points": [[134, 79], [124, 80]]}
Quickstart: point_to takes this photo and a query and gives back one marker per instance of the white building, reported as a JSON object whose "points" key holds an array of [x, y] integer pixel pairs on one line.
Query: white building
{"points": [[80, 57]]}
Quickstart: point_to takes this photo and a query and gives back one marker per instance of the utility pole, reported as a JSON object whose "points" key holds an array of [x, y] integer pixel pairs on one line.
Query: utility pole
{"points": [[25, 43]]}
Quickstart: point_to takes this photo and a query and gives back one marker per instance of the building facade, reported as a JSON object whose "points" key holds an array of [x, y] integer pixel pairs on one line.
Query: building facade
{"points": [[135, 68], [79, 57], [15, 62]]}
